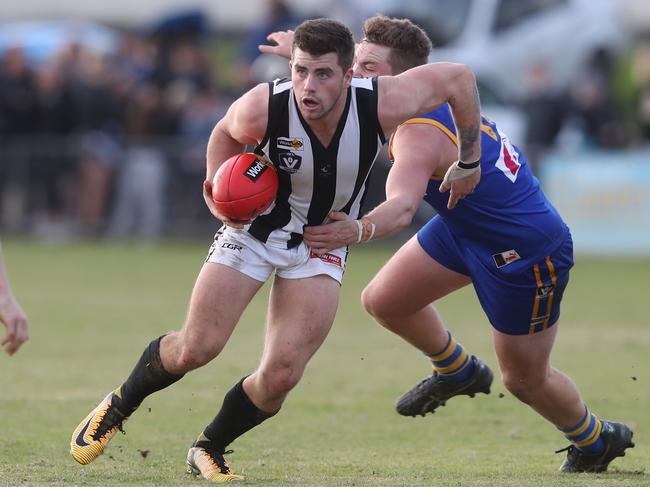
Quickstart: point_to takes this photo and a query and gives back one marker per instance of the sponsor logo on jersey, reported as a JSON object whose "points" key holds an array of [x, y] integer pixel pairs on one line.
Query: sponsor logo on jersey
{"points": [[505, 258], [508, 161], [325, 170], [231, 246], [291, 143], [327, 258], [255, 170], [289, 162]]}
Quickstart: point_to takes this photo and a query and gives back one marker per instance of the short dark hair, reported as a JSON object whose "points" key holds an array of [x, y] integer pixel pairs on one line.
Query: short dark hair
{"points": [[322, 36], [410, 45]]}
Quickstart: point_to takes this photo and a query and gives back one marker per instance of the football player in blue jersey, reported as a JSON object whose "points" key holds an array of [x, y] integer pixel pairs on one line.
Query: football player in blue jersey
{"points": [[505, 238]]}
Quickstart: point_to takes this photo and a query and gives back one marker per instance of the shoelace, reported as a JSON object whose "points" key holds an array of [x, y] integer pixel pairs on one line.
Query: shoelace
{"points": [[218, 458], [566, 448], [427, 379]]}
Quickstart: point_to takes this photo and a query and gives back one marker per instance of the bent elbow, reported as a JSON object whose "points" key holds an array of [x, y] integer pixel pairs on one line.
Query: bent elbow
{"points": [[406, 217], [465, 77]]}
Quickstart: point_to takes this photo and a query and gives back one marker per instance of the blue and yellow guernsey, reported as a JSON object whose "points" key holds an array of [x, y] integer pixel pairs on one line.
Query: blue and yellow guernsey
{"points": [[507, 209]]}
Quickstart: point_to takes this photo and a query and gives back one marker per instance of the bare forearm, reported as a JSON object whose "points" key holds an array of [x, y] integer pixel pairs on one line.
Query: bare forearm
{"points": [[4, 279], [12, 315], [391, 216], [221, 146], [466, 110]]}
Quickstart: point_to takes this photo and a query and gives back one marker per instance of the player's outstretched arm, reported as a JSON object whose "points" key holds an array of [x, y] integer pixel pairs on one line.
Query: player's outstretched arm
{"points": [[244, 123], [417, 153], [423, 88], [283, 40], [12, 315]]}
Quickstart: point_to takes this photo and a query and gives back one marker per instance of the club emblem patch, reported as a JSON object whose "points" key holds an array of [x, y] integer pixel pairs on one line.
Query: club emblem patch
{"points": [[289, 162]]}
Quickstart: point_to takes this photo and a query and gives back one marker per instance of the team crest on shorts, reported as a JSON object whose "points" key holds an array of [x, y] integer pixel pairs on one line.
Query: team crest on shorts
{"points": [[289, 162], [505, 258], [545, 291]]}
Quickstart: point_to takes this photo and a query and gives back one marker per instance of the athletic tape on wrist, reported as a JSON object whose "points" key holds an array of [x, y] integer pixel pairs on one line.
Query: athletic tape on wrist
{"points": [[372, 232], [359, 230], [366, 228], [457, 171]]}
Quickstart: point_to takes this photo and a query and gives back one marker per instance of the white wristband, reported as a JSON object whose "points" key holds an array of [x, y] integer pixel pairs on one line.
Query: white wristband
{"points": [[359, 230], [373, 227]]}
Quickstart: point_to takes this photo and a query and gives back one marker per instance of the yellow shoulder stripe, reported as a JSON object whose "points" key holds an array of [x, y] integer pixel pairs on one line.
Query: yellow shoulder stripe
{"points": [[441, 126]]}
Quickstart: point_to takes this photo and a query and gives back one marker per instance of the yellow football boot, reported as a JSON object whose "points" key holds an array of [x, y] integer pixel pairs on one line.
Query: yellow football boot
{"points": [[210, 464], [96, 430]]}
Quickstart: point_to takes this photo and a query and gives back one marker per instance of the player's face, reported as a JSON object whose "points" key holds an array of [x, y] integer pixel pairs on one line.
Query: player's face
{"points": [[372, 60], [318, 83]]}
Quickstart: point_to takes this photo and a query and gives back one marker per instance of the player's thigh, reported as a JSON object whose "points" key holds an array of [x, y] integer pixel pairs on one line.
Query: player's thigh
{"points": [[301, 313], [412, 279], [524, 357], [218, 300]]}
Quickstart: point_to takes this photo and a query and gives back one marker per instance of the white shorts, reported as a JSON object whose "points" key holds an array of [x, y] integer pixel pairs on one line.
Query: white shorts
{"points": [[240, 250]]}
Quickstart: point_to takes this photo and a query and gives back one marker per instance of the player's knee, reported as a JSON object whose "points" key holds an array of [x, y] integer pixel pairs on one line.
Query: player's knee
{"points": [[194, 354], [523, 387], [280, 378], [375, 303]]}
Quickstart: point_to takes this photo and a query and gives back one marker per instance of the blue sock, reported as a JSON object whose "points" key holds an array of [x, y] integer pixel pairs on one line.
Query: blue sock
{"points": [[452, 363], [585, 436]]}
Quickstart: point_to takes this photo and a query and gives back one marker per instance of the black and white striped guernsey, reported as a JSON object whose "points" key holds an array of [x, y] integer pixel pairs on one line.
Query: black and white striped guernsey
{"points": [[315, 180]]}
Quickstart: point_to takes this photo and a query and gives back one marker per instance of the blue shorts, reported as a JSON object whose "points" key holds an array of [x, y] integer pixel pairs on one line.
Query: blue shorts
{"points": [[519, 295]]}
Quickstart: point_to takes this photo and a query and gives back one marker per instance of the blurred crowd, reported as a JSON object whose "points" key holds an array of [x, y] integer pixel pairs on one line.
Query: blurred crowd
{"points": [[112, 144], [607, 105], [96, 142]]}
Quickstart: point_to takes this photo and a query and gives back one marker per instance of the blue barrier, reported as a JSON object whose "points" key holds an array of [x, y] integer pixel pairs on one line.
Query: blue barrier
{"points": [[604, 197]]}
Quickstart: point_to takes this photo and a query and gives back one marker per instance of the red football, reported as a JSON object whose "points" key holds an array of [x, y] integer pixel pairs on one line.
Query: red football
{"points": [[244, 186]]}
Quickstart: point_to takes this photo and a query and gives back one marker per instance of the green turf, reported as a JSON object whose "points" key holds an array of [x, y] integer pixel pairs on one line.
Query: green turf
{"points": [[93, 308]]}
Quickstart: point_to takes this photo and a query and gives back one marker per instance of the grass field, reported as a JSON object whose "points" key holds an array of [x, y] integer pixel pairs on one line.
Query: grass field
{"points": [[93, 308]]}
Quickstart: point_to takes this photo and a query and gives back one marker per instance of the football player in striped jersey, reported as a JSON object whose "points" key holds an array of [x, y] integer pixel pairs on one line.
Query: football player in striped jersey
{"points": [[322, 130]]}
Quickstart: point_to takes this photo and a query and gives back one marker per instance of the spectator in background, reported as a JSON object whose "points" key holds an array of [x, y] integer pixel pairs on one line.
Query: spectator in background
{"points": [[641, 81], [545, 110], [17, 117], [141, 196], [51, 168], [18, 101], [63, 125], [254, 68], [99, 112], [592, 104], [136, 59], [187, 64], [195, 125], [12, 315]]}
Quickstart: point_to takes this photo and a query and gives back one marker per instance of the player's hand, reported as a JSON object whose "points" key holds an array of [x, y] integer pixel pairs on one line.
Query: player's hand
{"points": [[341, 231], [15, 321], [207, 196], [283, 40], [459, 182]]}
